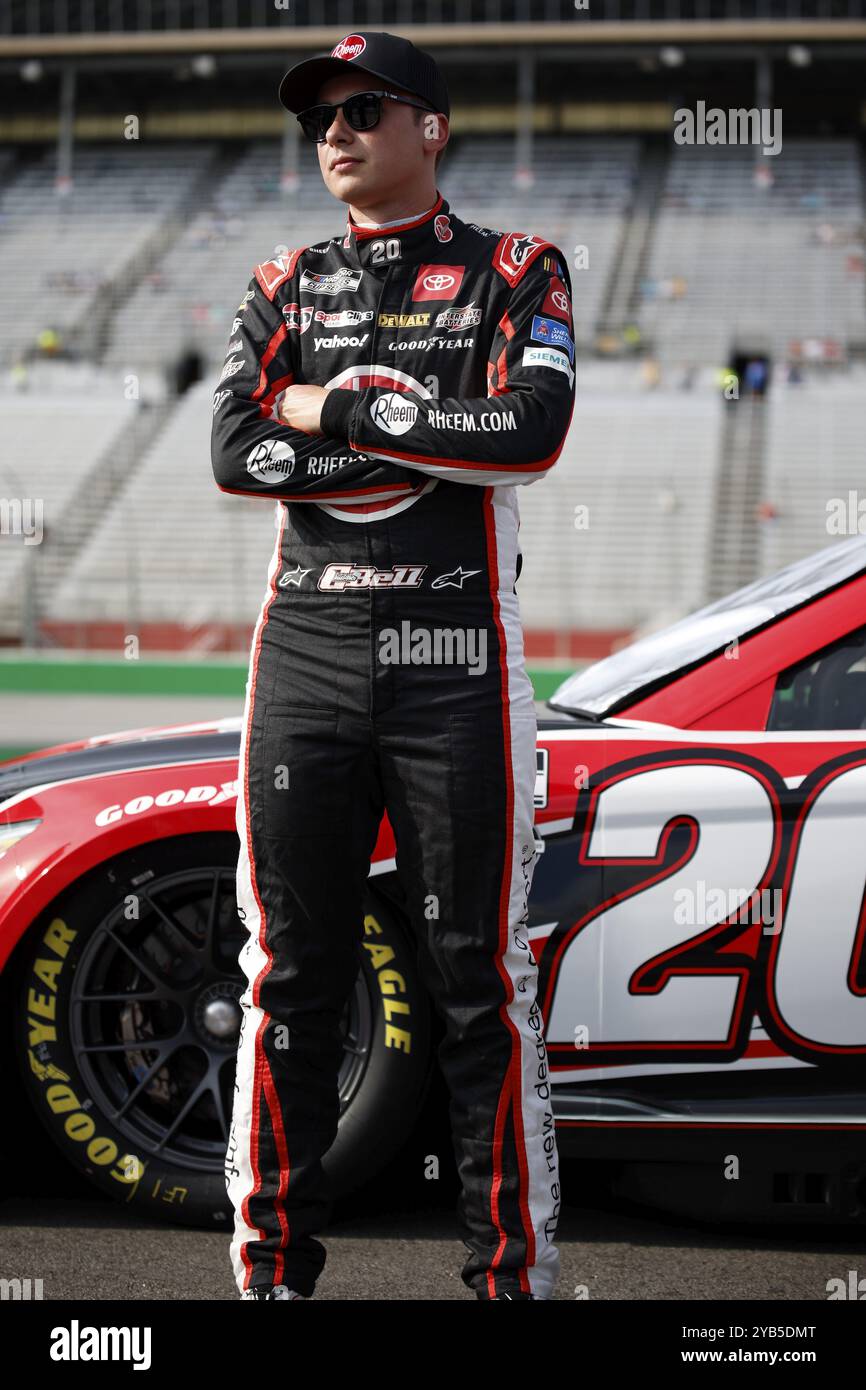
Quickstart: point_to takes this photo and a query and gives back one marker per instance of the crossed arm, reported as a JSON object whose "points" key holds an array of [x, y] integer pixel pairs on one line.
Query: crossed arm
{"points": [[357, 446]]}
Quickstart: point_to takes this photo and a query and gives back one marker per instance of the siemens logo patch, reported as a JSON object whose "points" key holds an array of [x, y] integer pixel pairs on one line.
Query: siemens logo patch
{"points": [[548, 357]]}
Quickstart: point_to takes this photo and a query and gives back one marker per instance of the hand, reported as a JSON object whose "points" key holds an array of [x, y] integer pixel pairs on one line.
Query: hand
{"points": [[301, 407]]}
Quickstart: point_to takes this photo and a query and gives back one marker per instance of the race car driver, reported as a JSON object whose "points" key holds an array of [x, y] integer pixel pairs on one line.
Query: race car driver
{"points": [[391, 388]]}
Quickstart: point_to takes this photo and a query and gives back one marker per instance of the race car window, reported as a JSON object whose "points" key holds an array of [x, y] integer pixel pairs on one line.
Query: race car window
{"points": [[606, 686], [826, 691]]}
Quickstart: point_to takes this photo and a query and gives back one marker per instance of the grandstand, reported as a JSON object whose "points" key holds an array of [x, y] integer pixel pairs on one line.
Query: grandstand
{"points": [[185, 531], [688, 264], [190, 299], [37, 467], [69, 249], [756, 268], [621, 527], [814, 462], [580, 195]]}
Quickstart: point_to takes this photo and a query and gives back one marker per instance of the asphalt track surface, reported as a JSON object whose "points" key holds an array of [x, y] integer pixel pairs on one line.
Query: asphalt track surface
{"points": [[86, 1247], [41, 720]]}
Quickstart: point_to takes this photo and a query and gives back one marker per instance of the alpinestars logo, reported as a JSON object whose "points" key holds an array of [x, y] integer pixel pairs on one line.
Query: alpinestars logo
{"points": [[271, 462], [454, 580], [393, 413], [513, 254], [352, 46], [295, 577]]}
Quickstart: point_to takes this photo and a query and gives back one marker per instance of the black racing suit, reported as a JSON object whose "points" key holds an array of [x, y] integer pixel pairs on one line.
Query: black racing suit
{"points": [[387, 671]]}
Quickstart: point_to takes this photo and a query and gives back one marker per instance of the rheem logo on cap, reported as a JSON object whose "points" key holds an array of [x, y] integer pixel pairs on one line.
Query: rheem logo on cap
{"points": [[352, 46]]}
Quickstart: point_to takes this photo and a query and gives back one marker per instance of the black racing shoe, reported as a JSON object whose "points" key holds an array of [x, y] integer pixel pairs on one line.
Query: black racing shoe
{"points": [[278, 1291]]}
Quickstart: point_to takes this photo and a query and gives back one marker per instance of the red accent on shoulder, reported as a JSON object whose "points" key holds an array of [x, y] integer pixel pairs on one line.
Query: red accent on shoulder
{"points": [[272, 274], [515, 252]]}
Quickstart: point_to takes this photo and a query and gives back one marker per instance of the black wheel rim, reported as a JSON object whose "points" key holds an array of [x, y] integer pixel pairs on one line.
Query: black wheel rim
{"points": [[154, 1017]]}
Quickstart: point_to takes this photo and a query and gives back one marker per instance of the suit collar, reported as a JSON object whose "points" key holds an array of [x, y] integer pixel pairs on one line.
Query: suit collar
{"points": [[416, 238]]}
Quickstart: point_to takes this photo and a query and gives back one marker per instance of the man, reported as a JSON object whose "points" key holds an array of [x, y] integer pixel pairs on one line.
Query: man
{"points": [[421, 368]]}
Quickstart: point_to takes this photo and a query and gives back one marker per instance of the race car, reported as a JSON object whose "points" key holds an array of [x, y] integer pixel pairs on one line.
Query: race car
{"points": [[697, 915]]}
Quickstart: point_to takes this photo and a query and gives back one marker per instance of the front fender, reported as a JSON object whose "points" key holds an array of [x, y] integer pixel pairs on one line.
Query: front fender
{"points": [[88, 820]]}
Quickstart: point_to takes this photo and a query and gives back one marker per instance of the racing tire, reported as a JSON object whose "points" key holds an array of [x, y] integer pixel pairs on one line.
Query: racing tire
{"points": [[120, 1029]]}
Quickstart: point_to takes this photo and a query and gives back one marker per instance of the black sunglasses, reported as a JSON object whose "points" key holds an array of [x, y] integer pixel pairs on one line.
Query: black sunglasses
{"points": [[363, 111]]}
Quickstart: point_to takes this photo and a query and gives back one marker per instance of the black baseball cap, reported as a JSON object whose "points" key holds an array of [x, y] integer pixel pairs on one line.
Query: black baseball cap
{"points": [[383, 55]]}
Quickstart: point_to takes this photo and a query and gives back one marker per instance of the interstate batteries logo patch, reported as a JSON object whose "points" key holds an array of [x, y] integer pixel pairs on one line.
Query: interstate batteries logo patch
{"points": [[457, 319], [271, 462]]}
